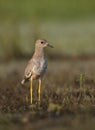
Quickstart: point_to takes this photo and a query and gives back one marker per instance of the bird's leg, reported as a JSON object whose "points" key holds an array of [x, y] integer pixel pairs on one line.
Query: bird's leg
{"points": [[31, 96], [39, 91]]}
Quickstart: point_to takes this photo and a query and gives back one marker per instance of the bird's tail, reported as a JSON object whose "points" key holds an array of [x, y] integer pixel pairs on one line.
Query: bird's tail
{"points": [[23, 81]]}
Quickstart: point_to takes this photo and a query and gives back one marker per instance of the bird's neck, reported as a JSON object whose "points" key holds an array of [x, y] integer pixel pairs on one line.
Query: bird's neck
{"points": [[39, 52]]}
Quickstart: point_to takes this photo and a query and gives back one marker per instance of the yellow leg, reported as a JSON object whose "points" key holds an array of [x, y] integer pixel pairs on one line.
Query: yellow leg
{"points": [[31, 96], [39, 91]]}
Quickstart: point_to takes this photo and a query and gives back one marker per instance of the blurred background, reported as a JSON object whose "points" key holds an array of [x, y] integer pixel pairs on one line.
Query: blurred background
{"points": [[68, 25]]}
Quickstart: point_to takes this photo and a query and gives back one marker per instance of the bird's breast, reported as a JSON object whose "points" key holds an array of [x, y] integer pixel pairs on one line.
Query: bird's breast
{"points": [[40, 67]]}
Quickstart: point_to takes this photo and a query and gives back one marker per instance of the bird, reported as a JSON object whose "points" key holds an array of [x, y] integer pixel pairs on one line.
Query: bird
{"points": [[36, 67]]}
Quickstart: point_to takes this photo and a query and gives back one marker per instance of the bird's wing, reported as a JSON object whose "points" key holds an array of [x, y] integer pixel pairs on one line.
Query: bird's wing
{"points": [[29, 68], [36, 67]]}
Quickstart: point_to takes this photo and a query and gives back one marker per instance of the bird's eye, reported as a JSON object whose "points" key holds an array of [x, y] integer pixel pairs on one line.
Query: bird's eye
{"points": [[42, 42]]}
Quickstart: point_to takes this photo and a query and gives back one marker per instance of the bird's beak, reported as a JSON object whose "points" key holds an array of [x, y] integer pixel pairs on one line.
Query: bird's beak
{"points": [[50, 45]]}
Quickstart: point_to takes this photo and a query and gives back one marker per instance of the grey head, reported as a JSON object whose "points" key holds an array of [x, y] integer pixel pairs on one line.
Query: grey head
{"points": [[42, 43]]}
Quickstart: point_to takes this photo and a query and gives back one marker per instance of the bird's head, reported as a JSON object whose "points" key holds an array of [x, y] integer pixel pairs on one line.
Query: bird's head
{"points": [[41, 43]]}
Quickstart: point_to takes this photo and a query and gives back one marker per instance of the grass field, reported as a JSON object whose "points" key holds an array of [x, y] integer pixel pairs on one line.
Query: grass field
{"points": [[67, 101], [68, 38], [69, 25]]}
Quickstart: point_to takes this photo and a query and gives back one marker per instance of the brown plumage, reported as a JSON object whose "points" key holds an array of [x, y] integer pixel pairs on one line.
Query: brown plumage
{"points": [[36, 66]]}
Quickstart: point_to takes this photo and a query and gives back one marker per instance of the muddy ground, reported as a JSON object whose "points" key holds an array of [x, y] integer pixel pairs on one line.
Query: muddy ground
{"points": [[67, 96]]}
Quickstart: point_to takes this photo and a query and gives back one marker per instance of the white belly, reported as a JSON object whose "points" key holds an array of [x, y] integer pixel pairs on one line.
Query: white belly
{"points": [[40, 67]]}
